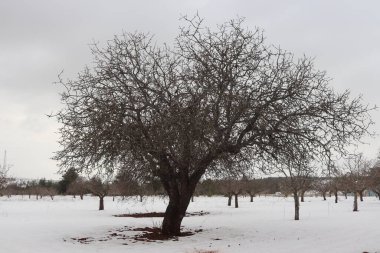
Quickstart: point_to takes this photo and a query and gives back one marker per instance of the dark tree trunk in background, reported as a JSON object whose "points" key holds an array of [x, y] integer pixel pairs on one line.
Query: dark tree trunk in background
{"points": [[192, 198], [296, 206], [81, 196], [229, 200], [355, 202], [141, 198], [336, 196], [252, 197], [345, 195], [101, 202], [361, 195], [324, 196], [236, 201], [302, 196]]}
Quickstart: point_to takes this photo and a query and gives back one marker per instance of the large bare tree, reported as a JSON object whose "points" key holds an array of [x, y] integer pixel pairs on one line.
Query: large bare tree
{"points": [[178, 112]]}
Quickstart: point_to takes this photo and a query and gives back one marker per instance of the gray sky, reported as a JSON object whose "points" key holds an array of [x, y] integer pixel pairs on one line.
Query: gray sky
{"points": [[40, 38]]}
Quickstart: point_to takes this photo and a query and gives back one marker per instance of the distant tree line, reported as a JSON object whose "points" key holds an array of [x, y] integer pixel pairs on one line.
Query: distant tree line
{"points": [[356, 177]]}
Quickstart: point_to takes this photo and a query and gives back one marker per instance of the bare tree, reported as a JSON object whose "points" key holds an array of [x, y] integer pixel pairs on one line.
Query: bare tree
{"points": [[253, 187], [306, 186], [176, 113], [100, 188], [78, 187], [322, 186], [226, 187], [374, 181], [4, 168], [297, 171], [356, 178]]}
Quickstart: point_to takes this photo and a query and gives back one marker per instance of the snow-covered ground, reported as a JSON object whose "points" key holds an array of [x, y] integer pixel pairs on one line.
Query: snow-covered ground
{"points": [[266, 225]]}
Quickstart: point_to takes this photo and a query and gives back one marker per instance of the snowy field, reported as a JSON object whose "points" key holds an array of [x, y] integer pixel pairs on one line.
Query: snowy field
{"points": [[265, 225]]}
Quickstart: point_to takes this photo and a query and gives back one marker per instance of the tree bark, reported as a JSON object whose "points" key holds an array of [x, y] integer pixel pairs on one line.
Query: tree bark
{"points": [[302, 196], [356, 202], [101, 202], [296, 206], [361, 195], [251, 197], [336, 196], [179, 199], [324, 196], [81, 196], [174, 214], [229, 200], [236, 201], [192, 198]]}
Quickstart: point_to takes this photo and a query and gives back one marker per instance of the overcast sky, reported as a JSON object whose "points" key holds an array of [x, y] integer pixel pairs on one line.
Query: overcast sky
{"points": [[38, 39]]}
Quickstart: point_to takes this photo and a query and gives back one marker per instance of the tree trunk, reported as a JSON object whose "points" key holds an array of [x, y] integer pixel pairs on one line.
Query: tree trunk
{"points": [[141, 198], [296, 206], [192, 198], [113, 198], [324, 196], [355, 202], [101, 202], [361, 195], [229, 200], [174, 214], [336, 196], [302, 196], [251, 197], [236, 201], [81, 196]]}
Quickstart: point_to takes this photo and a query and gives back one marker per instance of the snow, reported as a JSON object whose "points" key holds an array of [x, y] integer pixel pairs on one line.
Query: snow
{"points": [[266, 225]]}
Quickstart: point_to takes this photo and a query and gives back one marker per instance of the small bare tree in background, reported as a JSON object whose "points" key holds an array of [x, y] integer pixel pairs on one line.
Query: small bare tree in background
{"points": [[78, 187], [297, 171], [253, 187], [374, 180], [100, 188], [322, 186], [4, 168], [356, 177]]}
